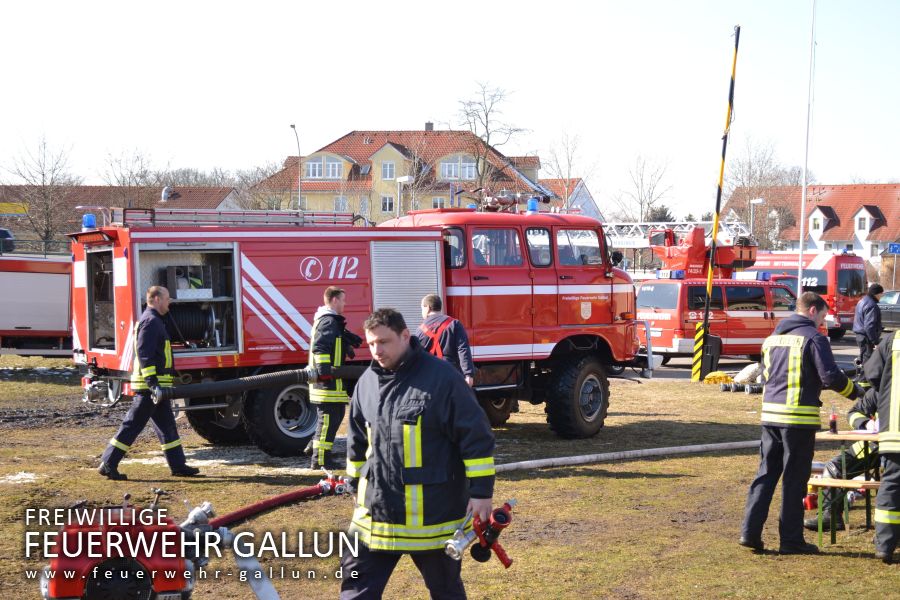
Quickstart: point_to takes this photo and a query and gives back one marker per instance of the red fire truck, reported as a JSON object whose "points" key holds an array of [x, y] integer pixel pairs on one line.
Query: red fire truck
{"points": [[545, 310], [840, 278], [35, 309]]}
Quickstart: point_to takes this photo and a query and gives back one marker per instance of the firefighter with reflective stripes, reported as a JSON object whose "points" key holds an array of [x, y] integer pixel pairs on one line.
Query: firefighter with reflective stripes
{"points": [[423, 450], [798, 364], [154, 368], [331, 344], [445, 337], [862, 416], [883, 371]]}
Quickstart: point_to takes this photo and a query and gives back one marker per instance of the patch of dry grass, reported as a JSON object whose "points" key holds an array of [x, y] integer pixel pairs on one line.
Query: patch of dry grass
{"points": [[660, 528]]}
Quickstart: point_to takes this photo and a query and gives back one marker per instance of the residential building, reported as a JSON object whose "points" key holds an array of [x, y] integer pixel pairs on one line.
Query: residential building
{"points": [[573, 194], [380, 174]]}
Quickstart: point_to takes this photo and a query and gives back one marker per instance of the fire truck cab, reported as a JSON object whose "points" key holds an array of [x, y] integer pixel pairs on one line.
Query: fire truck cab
{"points": [[545, 310], [743, 312]]}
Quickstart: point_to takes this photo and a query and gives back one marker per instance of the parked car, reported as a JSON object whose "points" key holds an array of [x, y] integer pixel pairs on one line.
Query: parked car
{"points": [[7, 242], [890, 309]]}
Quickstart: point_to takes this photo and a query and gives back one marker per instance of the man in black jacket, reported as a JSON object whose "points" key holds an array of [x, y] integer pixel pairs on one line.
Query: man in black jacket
{"points": [[798, 364], [867, 322], [154, 368], [445, 337], [330, 346], [881, 370], [423, 452]]}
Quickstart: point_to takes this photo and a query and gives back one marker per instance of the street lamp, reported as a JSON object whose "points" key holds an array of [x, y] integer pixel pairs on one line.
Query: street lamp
{"points": [[407, 179], [299, 166], [754, 202]]}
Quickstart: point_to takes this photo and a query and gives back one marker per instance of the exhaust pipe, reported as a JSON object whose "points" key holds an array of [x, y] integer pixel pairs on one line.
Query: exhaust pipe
{"points": [[255, 382]]}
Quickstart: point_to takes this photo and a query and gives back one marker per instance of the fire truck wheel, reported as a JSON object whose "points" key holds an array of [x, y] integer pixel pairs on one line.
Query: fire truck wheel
{"points": [[118, 579], [578, 398], [220, 426], [615, 369], [280, 421], [836, 334], [497, 409]]}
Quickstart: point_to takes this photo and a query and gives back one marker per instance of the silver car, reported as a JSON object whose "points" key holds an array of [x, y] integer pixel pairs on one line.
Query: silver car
{"points": [[890, 309]]}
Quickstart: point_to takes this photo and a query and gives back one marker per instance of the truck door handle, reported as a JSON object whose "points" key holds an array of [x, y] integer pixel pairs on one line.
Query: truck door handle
{"points": [[566, 277], [480, 277]]}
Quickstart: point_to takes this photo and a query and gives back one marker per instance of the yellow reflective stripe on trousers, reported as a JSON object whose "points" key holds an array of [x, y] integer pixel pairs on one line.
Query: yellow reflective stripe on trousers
{"points": [[119, 445], [171, 445], [479, 467], [891, 517], [858, 449], [322, 444]]}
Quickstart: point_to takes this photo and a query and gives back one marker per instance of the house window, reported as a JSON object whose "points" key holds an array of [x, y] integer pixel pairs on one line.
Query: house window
{"points": [[849, 246], [438, 202], [387, 170], [364, 206], [341, 204], [876, 250], [829, 246], [468, 170], [816, 225], [862, 223], [334, 168], [314, 170], [450, 170], [387, 204]]}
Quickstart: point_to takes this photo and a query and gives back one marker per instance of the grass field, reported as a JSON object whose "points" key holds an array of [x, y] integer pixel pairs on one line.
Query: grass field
{"points": [[660, 528]]}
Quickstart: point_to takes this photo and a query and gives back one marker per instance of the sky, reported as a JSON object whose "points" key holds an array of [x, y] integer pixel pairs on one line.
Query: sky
{"points": [[217, 84]]}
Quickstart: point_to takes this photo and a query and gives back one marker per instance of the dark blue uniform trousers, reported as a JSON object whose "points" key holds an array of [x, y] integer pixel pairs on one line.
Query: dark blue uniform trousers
{"points": [[787, 451], [887, 535], [143, 410], [440, 572]]}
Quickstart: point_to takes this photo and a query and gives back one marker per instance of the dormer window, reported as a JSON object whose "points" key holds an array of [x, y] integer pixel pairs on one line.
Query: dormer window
{"points": [[314, 170], [387, 170], [334, 168], [862, 224], [459, 167], [816, 224]]}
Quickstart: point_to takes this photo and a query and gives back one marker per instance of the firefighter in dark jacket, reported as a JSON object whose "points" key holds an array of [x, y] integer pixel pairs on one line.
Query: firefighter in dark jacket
{"points": [[331, 344], [153, 368], [862, 416], [882, 371], [798, 363], [867, 322], [445, 337], [423, 452]]}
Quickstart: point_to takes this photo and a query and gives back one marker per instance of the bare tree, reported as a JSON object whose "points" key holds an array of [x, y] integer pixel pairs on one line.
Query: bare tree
{"points": [[132, 179], [648, 188], [564, 161], [482, 115], [46, 185]]}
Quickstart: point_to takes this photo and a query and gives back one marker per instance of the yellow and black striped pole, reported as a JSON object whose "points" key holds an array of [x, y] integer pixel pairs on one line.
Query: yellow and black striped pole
{"points": [[697, 373]]}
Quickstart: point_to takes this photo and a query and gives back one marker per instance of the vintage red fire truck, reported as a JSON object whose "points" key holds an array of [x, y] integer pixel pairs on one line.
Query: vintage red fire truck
{"points": [[839, 277], [35, 310], [546, 311]]}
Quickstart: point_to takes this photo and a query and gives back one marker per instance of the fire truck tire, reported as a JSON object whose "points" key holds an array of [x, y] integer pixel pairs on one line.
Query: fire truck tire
{"points": [[578, 398], [497, 409], [836, 334], [280, 421], [615, 370], [212, 427], [119, 580]]}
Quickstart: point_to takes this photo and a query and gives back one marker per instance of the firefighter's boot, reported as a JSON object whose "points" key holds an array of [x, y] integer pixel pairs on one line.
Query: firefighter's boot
{"points": [[813, 522], [111, 472]]}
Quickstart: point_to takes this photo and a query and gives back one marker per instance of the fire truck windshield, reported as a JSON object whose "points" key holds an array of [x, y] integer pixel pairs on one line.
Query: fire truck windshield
{"points": [[658, 295]]}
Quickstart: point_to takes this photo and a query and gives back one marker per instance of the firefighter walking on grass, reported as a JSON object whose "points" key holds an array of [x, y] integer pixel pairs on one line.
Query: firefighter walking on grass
{"points": [[154, 368], [423, 452], [331, 344], [882, 370], [798, 365]]}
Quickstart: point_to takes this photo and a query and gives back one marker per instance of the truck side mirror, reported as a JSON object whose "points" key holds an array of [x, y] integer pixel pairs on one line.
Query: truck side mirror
{"points": [[617, 257]]}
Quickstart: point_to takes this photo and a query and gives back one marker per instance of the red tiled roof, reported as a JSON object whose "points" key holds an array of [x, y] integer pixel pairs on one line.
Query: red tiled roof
{"points": [[118, 196], [558, 186], [844, 200], [428, 146], [526, 162]]}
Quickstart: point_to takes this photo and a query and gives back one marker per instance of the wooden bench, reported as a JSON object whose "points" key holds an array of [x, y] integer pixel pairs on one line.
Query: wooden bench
{"points": [[819, 484]]}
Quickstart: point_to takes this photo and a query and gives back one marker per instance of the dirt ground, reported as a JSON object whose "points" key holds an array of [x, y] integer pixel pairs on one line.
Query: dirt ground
{"points": [[654, 528]]}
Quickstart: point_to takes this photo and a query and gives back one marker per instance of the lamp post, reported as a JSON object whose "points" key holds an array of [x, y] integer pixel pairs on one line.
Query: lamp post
{"points": [[754, 202], [407, 179], [299, 166]]}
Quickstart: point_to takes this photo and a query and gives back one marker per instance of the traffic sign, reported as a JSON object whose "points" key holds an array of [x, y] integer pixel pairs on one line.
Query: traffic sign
{"points": [[893, 248]]}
